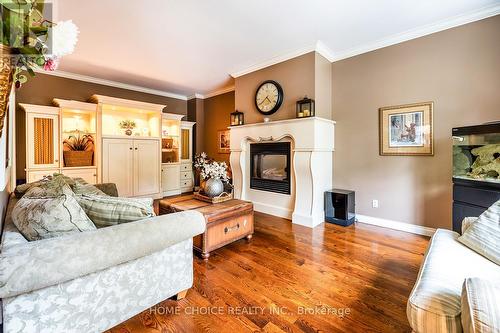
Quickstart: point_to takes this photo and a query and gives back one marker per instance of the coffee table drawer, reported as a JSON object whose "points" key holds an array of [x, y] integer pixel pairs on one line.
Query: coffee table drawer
{"points": [[225, 232]]}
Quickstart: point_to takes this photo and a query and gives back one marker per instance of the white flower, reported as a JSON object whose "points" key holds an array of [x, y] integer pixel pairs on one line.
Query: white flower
{"points": [[62, 38]]}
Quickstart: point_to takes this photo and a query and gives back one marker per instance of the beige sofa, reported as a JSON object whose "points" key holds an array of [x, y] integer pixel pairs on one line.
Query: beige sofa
{"points": [[435, 302], [92, 281]]}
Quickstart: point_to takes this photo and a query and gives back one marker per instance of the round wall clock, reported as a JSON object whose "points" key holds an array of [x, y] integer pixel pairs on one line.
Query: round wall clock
{"points": [[268, 97]]}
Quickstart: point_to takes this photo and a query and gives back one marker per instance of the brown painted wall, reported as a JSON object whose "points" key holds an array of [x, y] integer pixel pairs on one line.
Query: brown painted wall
{"points": [[459, 70], [296, 76], [216, 111], [43, 88]]}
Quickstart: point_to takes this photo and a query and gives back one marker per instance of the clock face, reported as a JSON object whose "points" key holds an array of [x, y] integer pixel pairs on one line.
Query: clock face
{"points": [[268, 97]]}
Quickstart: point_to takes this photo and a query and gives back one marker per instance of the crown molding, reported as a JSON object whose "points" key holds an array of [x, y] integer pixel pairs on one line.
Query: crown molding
{"points": [[275, 60], [219, 92], [322, 49], [319, 47], [449, 23], [193, 96], [213, 93], [110, 83]]}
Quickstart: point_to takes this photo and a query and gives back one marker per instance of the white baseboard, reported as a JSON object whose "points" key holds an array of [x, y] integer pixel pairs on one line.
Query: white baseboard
{"points": [[412, 228], [272, 210]]}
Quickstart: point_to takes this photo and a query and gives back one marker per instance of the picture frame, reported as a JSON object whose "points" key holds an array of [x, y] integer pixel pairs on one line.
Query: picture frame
{"points": [[223, 140], [406, 130]]}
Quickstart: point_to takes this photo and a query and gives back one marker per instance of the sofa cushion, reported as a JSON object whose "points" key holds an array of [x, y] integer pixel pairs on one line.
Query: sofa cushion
{"points": [[46, 217], [480, 310], [483, 236], [434, 303], [105, 211], [20, 190], [48, 189], [89, 189]]}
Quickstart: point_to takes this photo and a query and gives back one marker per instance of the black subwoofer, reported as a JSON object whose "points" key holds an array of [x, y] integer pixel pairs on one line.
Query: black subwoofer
{"points": [[340, 207]]}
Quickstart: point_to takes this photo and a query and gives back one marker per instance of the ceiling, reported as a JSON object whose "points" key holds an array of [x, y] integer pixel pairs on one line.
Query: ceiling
{"points": [[193, 46]]}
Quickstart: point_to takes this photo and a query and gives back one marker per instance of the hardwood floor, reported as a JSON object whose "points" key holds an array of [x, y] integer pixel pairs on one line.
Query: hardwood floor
{"points": [[295, 279]]}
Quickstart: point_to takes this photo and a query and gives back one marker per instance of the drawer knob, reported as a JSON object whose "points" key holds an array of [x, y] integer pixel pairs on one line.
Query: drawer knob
{"points": [[236, 227]]}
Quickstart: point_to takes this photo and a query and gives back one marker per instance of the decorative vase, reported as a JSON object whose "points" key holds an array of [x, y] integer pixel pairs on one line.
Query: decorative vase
{"points": [[213, 187], [128, 132], [6, 77]]}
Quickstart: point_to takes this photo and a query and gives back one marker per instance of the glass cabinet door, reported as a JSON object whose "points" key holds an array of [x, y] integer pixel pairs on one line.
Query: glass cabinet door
{"points": [[43, 133], [185, 143]]}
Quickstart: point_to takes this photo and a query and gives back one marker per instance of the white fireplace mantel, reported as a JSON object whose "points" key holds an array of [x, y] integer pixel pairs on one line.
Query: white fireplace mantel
{"points": [[312, 142]]}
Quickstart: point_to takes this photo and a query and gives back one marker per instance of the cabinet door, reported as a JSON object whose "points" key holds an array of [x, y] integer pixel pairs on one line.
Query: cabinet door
{"points": [[146, 167], [89, 175], [185, 144], [170, 179], [117, 164], [33, 176], [43, 140]]}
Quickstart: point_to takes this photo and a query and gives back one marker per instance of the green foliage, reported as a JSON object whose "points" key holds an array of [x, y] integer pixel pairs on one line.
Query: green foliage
{"points": [[79, 143], [24, 30], [127, 124]]}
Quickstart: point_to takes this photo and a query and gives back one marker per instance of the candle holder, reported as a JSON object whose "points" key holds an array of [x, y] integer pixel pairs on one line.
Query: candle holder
{"points": [[305, 108]]}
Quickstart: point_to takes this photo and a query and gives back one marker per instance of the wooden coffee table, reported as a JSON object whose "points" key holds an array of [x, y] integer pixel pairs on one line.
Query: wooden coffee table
{"points": [[226, 222]]}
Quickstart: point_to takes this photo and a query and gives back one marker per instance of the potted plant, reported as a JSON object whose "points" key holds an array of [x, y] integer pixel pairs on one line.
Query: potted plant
{"points": [[213, 175], [79, 150], [128, 126]]}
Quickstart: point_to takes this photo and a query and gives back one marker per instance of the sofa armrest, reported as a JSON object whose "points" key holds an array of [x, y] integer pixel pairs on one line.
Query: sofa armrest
{"points": [[39, 264], [467, 222], [108, 188]]}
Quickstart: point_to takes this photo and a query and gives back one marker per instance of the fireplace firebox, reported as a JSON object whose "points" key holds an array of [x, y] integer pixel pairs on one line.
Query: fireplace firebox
{"points": [[270, 167]]}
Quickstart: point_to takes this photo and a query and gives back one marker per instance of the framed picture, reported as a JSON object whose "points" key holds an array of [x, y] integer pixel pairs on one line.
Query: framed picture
{"points": [[406, 129], [223, 140]]}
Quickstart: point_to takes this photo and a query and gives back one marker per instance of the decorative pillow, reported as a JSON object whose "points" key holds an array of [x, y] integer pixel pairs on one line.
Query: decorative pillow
{"points": [[49, 189], [105, 211], [20, 190], [88, 189], [47, 217], [480, 312], [483, 236]]}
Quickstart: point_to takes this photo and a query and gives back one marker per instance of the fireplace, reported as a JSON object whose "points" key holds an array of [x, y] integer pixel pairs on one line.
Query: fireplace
{"points": [[270, 167]]}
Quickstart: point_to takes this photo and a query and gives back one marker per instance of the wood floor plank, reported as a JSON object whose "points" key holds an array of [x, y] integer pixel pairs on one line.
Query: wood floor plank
{"points": [[294, 279]]}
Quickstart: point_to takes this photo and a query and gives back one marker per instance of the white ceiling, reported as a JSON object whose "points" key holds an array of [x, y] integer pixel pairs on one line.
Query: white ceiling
{"points": [[192, 46]]}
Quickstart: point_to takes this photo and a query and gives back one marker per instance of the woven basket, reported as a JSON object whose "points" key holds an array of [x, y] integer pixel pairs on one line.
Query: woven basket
{"points": [[74, 158], [224, 196]]}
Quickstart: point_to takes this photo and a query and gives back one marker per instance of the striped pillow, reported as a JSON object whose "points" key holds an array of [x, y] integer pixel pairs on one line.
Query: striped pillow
{"points": [[483, 236], [480, 312], [105, 211], [88, 189]]}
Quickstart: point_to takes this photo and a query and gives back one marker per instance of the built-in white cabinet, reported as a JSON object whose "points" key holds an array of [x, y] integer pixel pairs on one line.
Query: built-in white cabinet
{"points": [[87, 174], [47, 130], [133, 165], [186, 170], [170, 182], [117, 164], [146, 167], [42, 137]]}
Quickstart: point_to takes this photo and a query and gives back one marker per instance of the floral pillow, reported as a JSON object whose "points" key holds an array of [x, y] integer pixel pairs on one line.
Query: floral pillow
{"points": [[42, 213]]}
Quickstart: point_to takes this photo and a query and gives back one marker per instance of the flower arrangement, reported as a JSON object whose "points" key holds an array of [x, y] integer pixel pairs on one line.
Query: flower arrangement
{"points": [[210, 169], [127, 125], [33, 41]]}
